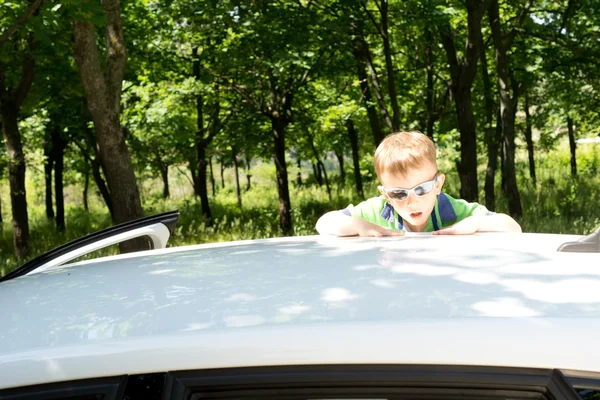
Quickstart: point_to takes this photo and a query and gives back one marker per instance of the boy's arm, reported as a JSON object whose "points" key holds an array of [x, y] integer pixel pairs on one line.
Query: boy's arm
{"points": [[339, 224], [482, 223], [499, 223]]}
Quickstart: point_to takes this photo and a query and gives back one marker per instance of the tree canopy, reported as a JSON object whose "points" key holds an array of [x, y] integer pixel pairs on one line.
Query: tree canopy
{"points": [[127, 91]]}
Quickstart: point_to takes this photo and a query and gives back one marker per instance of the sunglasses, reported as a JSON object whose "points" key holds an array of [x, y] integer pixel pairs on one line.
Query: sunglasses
{"points": [[402, 194]]}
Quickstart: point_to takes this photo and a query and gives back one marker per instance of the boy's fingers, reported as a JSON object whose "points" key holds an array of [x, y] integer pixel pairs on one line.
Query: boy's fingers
{"points": [[390, 232], [446, 231]]}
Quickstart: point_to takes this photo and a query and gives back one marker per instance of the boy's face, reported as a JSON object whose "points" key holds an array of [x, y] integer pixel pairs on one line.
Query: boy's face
{"points": [[414, 210]]}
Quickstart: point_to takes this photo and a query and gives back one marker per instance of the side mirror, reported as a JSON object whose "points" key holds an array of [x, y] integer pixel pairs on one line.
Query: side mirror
{"points": [[158, 228], [588, 244]]}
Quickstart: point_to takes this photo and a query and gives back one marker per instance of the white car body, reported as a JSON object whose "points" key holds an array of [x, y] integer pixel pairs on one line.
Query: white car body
{"points": [[504, 300]]}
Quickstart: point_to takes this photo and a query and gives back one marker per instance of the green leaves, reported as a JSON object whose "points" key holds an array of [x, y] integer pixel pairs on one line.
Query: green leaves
{"points": [[90, 11], [252, 54]]}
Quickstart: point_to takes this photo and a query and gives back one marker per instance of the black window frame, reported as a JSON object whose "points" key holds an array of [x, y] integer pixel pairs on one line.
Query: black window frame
{"points": [[169, 219], [110, 388], [217, 383], [583, 379]]}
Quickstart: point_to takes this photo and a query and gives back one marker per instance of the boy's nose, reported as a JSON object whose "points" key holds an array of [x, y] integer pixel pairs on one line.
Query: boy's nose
{"points": [[412, 200]]}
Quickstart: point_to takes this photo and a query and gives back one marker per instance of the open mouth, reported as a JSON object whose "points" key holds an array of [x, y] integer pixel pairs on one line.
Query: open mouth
{"points": [[415, 214]]}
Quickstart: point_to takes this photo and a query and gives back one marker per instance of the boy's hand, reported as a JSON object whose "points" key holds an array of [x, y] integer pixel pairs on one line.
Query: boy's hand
{"points": [[338, 224], [378, 231], [467, 226], [489, 223]]}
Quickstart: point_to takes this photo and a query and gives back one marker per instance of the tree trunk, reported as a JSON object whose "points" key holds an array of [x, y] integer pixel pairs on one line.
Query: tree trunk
{"points": [[94, 163], [201, 182], [11, 101], [222, 172], [16, 177], [163, 169], [317, 173], [572, 147], [103, 94], [468, 145], [285, 215], [365, 57], [193, 166], [391, 81], [102, 188], [236, 174], [508, 110], [353, 136], [201, 145], [366, 95], [340, 157], [320, 166], [500, 141], [164, 173], [86, 187], [462, 74], [48, 167], [429, 98], [299, 174], [58, 147], [490, 138], [510, 178], [248, 175], [212, 177], [529, 140]]}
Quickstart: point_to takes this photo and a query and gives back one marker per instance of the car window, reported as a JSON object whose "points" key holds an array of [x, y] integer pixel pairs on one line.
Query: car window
{"points": [[145, 387], [589, 394]]}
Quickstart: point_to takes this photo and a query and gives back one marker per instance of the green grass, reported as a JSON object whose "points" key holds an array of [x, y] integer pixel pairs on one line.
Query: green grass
{"points": [[557, 204]]}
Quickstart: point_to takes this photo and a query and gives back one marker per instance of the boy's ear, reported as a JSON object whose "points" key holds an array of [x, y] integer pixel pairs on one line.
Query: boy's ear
{"points": [[440, 183]]}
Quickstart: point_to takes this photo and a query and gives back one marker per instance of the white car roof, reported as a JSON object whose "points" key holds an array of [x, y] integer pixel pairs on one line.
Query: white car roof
{"points": [[484, 299]]}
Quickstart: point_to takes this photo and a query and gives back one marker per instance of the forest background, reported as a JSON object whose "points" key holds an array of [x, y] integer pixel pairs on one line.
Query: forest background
{"points": [[253, 118]]}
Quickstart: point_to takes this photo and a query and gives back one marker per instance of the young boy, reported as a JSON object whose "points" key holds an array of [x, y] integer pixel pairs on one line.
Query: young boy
{"points": [[411, 198]]}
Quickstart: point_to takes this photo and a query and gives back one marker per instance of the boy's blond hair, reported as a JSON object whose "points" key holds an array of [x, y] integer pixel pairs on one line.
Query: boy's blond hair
{"points": [[401, 151]]}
